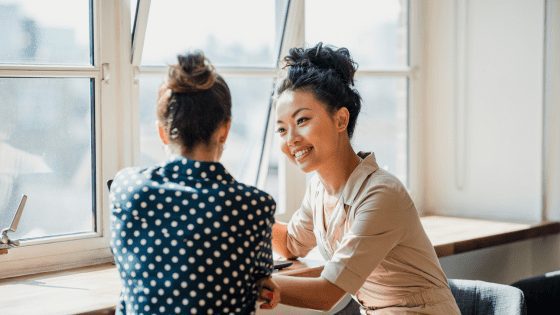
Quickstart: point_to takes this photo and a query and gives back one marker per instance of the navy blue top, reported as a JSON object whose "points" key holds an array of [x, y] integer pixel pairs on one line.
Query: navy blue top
{"points": [[189, 239]]}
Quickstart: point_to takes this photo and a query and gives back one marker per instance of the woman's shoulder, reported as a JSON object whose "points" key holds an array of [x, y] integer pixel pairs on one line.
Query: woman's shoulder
{"points": [[382, 186], [247, 196], [253, 194], [385, 178]]}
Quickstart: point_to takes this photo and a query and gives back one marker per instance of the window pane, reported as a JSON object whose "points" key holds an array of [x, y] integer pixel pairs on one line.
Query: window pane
{"points": [[238, 33], [30, 36], [250, 102], [382, 123], [46, 153], [375, 32]]}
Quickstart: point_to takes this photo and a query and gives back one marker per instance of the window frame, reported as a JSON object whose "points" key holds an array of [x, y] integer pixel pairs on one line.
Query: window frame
{"points": [[80, 249]]}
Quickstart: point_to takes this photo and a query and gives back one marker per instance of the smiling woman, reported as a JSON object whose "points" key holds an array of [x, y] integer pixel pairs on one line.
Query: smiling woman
{"points": [[351, 206]]}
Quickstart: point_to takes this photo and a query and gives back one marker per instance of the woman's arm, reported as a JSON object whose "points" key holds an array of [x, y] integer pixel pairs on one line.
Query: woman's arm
{"points": [[314, 293], [280, 240]]}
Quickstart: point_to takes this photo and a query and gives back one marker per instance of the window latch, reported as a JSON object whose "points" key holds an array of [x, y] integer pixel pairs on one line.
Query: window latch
{"points": [[105, 74], [5, 241]]}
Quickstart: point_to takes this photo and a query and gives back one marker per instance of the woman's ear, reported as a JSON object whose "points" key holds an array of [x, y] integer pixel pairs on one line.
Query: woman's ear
{"points": [[162, 133], [341, 119], [224, 131]]}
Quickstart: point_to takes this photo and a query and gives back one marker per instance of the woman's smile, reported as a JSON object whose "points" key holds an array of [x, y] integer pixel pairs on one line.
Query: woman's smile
{"points": [[301, 154]]}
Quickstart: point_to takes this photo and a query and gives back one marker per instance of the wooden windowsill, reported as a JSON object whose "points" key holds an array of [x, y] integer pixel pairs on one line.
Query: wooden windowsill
{"points": [[452, 235], [96, 289]]}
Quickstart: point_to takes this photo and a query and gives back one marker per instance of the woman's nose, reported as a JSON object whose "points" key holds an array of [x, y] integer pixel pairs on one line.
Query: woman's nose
{"points": [[292, 137]]}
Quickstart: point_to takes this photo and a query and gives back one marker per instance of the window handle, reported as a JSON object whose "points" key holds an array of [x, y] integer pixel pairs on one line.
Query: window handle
{"points": [[5, 241], [105, 73]]}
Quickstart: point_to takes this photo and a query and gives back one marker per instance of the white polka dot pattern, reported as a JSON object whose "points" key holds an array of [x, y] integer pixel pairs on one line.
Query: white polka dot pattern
{"points": [[189, 239]]}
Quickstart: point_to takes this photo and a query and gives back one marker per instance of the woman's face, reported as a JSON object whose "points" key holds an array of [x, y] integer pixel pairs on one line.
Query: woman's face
{"points": [[308, 133]]}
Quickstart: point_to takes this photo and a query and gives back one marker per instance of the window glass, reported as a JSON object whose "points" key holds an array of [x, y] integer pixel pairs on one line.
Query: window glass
{"points": [[234, 33], [46, 153], [375, 32], [382, 124], [29, 36], [250, 97]]}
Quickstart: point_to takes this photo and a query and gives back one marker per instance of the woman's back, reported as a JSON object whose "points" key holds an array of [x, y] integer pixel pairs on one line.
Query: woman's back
{"points": [[190, 239]]}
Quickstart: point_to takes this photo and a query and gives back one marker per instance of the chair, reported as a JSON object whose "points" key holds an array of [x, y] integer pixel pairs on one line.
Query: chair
{"points": [[479, 297], [541, 292]]}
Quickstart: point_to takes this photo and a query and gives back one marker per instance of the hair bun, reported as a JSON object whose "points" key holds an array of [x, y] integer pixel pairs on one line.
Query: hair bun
{"points": [[325, 57], [193, 73]]}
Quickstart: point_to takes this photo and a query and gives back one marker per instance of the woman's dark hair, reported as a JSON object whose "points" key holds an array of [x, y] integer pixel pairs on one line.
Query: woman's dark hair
{"points": [[200, 101], [328, 73]]}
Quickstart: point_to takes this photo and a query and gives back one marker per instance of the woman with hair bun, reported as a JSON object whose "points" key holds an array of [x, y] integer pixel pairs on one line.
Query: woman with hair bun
{"points": [[186, 236], [359, 216]]}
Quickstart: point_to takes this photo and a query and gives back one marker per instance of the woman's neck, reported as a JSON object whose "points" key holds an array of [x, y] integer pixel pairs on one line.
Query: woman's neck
{"points": [[205, 153], [335, 172]]}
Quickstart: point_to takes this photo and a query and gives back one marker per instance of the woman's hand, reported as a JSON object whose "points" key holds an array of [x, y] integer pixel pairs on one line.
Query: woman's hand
{"points": [[269, 293]]}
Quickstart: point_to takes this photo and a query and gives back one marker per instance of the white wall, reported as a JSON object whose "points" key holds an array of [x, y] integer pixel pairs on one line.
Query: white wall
{"points": [[498, 135], [552, 112], [485, 132]]}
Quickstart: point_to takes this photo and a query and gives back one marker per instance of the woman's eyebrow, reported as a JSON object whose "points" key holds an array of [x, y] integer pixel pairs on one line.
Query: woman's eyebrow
{"points": [[294, 113]]}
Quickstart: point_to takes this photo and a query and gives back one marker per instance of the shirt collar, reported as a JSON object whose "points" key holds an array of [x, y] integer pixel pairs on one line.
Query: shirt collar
{"points": [[353, 185], [193, 169]]}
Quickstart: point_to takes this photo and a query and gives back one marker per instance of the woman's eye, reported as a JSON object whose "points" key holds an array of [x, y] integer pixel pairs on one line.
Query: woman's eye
{"points": [[301, 120], [280, 130]]}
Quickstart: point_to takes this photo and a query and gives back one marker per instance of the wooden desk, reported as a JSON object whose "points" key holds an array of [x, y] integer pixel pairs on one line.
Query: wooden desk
{"points": [[96, 289]]}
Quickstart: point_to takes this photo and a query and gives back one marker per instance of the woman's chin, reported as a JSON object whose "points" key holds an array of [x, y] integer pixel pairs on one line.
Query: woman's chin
{"points": [[306, 167]]}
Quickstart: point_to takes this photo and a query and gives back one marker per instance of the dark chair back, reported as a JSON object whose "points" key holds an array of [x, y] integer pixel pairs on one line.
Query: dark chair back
{"points": [[542, 293]]}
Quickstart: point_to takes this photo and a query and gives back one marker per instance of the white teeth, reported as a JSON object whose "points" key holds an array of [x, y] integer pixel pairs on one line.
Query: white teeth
{"points": [[301, 153]]}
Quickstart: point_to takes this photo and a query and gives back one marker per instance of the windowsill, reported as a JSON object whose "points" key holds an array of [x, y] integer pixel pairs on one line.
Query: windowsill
{"points": [[96, 288], [453, 235]]}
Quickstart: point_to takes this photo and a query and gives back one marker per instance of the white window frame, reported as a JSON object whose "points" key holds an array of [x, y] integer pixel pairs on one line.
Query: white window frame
{"points": [[111, 25]]}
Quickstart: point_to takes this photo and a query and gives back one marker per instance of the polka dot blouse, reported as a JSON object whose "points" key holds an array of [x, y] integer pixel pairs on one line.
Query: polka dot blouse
{"points": [[189, 239]]}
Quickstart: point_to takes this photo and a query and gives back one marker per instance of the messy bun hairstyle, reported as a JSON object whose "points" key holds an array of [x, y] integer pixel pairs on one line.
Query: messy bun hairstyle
{"points": [[328, 73], [199, 101]]}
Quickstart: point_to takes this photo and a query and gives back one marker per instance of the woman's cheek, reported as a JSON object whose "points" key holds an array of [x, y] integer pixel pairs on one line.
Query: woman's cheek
{"points": [[284, 148]]}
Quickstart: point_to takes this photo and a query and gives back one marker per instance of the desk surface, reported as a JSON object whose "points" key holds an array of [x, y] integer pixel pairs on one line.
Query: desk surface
{"points": [[96, 288]]}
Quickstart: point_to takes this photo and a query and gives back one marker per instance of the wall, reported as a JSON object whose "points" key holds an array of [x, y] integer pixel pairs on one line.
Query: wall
{"points": [[488, 145]]}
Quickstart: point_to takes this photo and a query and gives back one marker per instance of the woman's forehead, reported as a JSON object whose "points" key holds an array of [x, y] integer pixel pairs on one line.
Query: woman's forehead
{"points": [[290, 102]]}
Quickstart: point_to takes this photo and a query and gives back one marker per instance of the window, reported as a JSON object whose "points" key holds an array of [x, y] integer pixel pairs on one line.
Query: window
{"points": [[244, 53], [379, 44], [240, 43], [52, 85], [47, 129], [78, 95]]}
